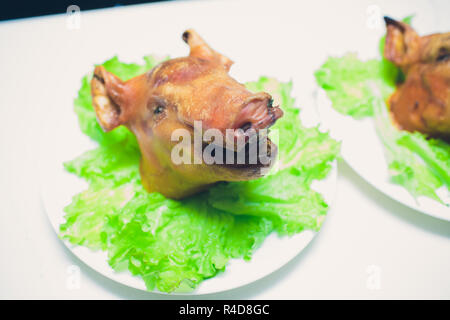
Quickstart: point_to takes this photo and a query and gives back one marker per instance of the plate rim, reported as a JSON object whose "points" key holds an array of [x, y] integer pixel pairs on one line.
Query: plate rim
{"points": [[81, 252]]}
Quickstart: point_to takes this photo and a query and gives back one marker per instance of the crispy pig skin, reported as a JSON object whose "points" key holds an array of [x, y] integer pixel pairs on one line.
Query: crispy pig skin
{"points": [[173, 95]]}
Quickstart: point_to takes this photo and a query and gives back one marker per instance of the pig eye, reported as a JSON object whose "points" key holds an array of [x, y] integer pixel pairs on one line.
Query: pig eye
{"points": [[159, 109], [157, 106]]}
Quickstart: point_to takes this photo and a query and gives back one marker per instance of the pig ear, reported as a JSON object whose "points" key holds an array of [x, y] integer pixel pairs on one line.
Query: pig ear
{"points": [[402, 45], [107, 98], [199, 48]]}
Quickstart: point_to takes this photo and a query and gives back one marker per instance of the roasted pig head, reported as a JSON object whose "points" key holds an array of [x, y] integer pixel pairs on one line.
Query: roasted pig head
{"points": [[422, 102], [188, 95]]}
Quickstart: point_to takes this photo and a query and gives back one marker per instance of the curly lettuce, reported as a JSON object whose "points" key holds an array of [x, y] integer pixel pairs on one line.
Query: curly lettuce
{"points": [[345, 81], [173, 245]]}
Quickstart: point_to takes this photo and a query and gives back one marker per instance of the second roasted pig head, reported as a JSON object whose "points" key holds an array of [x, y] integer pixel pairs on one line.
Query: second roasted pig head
{"points": [[177, 94], [422, 102]]}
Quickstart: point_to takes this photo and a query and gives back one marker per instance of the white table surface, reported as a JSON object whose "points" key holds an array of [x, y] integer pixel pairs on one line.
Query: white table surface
{"points": [[369, 247]]}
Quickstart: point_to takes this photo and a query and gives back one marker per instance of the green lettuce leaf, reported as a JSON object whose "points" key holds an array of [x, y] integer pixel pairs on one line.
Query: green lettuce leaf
{"points": [[406, 167], [345, 80], [419, 164], [175, 245]]}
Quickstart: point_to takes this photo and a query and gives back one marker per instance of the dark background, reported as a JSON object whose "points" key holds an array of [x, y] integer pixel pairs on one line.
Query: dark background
{"points": [[23, 9]]}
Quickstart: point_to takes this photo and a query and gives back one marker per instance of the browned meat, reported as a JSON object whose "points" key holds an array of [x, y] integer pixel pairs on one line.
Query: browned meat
{"points": [[422, 102], [172, 96]]}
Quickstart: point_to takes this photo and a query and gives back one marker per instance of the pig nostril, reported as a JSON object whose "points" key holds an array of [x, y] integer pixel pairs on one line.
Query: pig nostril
{"points": [[246, 126]]}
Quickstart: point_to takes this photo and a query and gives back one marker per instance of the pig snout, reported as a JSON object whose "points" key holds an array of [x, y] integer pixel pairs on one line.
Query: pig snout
{"points": [[257, 113]]}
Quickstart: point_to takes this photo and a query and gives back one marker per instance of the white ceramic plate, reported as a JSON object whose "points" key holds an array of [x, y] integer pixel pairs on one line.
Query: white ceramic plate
{"points": [[63, 140], [364, 152]]}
